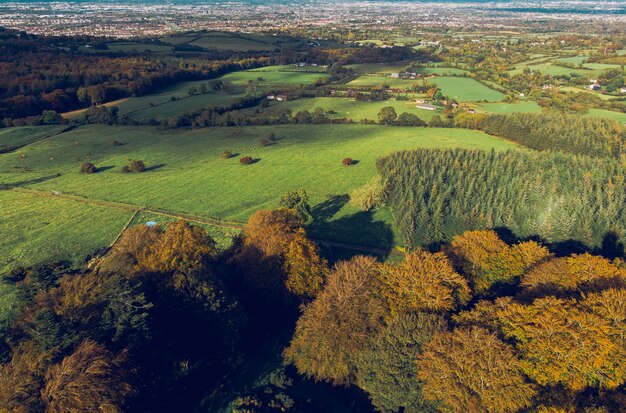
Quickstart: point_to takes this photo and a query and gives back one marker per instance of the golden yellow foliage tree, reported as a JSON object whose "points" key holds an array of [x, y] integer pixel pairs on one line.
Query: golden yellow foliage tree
{"points": [[471, 370], [561, 344], [573, 274], [306, 270], [271, 231], [21, 378], [92, 379], [423, 282], [336, 326], [181, 247], [489, 261]]}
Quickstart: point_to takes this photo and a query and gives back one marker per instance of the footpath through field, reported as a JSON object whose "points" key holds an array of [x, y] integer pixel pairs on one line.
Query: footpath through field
{"points": [[236, 225]]}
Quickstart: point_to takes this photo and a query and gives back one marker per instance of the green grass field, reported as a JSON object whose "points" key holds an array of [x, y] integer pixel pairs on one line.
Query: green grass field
{"points": [[272, 78], [14, 137], [159, 105], [575, 59], [355, 110], [517, 107], [187, 175], [555, 70], [607, 114], [379, 80], [442, 71], [35, 229], [163, 98], [464, 89]]}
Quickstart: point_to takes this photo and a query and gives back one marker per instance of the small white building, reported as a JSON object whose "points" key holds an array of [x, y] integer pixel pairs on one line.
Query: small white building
{"points": [[622, 90], [595, 86], [395, 75]]}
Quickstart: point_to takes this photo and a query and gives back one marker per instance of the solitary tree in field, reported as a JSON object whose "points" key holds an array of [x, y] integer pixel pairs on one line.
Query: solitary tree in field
{"points": [[298, 201], [387, 115], [87, 168]]}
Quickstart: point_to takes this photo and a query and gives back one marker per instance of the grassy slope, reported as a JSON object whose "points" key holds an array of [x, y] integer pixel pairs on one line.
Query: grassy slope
{"points": [[607, 114], [190, 177], [34, 229], [274, 76], [518, 107], [385, 68], [11, 137], [352, 109], [465, 89]]}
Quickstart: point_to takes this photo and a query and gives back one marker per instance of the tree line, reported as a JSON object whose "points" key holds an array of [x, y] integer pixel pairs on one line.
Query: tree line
{"points": [[554, 131]]}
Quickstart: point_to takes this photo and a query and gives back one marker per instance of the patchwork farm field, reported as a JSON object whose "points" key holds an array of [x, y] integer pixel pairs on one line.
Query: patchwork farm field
{"points": [[355, 110], [269, 77], [465, 89], [186, 174], [379, 80], [160, 105]]}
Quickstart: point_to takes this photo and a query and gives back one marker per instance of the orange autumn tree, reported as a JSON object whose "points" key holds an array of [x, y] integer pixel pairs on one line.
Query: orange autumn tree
{"points": [[490, 262], [561, 344], [471, 371], [277, 255], [573, 274], [564, 343], [21, 378], [423, 282], [336, 326], [180, 248], [306, 270], [90, 379]]}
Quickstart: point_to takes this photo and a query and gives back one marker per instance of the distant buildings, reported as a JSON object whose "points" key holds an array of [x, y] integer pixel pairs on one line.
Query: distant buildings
{"points": [[595, 86]]}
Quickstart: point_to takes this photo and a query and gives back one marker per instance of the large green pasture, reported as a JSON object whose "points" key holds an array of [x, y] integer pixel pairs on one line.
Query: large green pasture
{"points": [[465, 89], [441, 71], [355, 110], [555, 70], [607, 114], [36, 229], [13, 137], [272, 78], [379, 80], [186, 174], [159, 105]]}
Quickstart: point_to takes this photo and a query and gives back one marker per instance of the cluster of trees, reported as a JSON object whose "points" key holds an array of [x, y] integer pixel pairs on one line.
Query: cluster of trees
{"points": [[554, 131], [436, 332], [388, 116], [129, 334], [157, 320], [32, 81], [436, 194]]}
